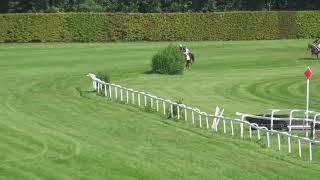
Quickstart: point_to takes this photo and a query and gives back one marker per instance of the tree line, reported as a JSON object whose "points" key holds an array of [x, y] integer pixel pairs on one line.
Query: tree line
{"points": [[153, 6]]}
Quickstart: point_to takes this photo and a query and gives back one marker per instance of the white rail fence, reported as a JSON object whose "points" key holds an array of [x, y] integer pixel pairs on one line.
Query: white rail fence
{"points": [[211, 121]]}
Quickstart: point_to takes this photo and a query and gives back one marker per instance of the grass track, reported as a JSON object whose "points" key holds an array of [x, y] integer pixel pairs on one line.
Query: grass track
{"points": [[54, 127]]}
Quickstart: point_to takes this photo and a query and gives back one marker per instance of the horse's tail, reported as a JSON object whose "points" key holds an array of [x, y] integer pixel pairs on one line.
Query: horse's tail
{"points": [[192, 57], [309, 47]]}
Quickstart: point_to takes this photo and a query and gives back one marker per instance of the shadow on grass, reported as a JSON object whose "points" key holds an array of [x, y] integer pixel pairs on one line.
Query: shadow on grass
{"points": [[149, 72], [307, 59], [83, 93]]}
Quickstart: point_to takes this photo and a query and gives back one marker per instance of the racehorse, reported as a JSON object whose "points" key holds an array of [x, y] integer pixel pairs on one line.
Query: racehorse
{"points": [[314, 50], [191, 61]]}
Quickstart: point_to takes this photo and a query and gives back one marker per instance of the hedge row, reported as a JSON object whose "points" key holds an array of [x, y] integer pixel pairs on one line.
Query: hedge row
{"points": [[85, 27]]}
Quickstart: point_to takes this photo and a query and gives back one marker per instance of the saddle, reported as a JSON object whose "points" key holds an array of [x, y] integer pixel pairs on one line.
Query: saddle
{"points": [[316, 47]]}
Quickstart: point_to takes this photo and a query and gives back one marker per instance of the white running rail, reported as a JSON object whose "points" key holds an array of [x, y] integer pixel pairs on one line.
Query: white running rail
{"points": [[111, 91]]}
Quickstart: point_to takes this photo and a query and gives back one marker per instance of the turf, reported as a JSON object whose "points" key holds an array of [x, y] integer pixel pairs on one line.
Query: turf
{"points": [[54, 127]]}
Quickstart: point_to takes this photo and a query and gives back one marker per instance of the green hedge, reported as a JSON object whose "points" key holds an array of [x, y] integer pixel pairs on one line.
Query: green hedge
{"points": [[308, 23], [86, 27]]}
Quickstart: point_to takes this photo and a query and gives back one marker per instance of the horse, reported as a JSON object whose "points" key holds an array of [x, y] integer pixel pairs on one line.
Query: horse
{"points": [[191, 61], [314, 50]]}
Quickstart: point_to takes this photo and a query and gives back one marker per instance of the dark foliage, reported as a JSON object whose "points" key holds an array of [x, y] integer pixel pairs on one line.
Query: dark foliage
{"points": [[151, 6]]}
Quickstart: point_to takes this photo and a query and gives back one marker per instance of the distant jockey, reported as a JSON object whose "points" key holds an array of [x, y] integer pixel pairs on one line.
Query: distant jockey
{"points": [[185, 51]]}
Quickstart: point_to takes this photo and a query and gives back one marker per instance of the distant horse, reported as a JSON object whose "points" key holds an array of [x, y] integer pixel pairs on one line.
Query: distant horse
{"points": [[314, 50], [191, 61]]}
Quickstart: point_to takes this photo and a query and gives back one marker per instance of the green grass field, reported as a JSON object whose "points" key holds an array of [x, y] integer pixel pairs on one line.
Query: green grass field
{"points": [[52, 126]]}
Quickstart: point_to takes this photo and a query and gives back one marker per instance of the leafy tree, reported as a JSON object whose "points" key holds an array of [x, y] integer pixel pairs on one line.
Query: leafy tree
{"points": [[90, 6], [146, 6], [253, 5], [149, 6]]}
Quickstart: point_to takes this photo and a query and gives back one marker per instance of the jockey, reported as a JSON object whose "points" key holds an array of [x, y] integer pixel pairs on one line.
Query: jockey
{"points": [[185, 51], [317, 42]]}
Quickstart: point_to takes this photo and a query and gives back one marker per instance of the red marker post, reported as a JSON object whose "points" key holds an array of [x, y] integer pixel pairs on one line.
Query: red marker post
{"points": [[308, 74]]}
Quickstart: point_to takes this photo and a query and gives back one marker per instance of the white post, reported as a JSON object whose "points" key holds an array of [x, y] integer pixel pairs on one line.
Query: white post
{"points": [[224, 127], [231, 123], [127, 96], [98, 87], [290, 120], [164, 107], [250, 132], [192, 114], [279, 143], [93, 84], [299, 144], [110, 91], [171, 110], [307, 115], [145, 100], [157, 102], [268, 139], [259, 137], [308, 75], [139, 102], [200, 122], [185, 114], [132, 97], [289, 144], [310, 150], [218, 119], [241, 126], [178, 111], [151, 101], [272, 113], [207, 121], [215, 119], [116, 92], [121, 94], [314, 127], [105, 90]]}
